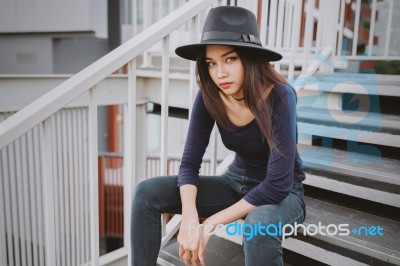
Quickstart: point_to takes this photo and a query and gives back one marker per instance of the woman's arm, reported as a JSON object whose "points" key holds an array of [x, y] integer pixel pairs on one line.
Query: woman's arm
{"points": [[236, 211], [199, 131], [188, 236], [226, 216], [281, 162]]}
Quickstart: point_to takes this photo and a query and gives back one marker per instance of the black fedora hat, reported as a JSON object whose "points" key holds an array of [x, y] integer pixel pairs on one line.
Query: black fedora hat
{"points": [[229, 25]]}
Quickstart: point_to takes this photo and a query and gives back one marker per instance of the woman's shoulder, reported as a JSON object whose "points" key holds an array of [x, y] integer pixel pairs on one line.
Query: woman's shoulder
{"points": [[199, 107], [281, 90]]}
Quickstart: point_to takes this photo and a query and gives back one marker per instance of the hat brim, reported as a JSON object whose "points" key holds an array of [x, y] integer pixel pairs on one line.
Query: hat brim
{"points": [[191, 51]]}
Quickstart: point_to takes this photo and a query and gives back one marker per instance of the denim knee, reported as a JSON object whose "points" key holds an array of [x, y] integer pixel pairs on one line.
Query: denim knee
{"points": [[146, 193], [157, 193], [265, 214], [262, 247]]}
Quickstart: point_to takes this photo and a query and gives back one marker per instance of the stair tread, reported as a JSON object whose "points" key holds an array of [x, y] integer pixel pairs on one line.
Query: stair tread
{"points": [[363, 78], [351, 163], [219, 251], [329, 213], [354, 120], [357, 83], [351, 134]]}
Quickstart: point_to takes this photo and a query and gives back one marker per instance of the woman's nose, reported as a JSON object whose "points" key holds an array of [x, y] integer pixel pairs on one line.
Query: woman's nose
{"points": [[221, 71]]}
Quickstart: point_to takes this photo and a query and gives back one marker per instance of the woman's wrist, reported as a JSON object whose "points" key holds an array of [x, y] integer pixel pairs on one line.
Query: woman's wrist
{"points": [[209, 226], [190, 211]]}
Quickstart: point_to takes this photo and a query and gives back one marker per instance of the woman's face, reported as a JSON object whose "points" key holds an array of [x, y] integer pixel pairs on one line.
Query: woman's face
{"points": [[226, 69]]}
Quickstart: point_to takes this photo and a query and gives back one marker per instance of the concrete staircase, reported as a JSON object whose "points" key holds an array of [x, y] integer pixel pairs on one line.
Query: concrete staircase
{"points": [[353, 167]]}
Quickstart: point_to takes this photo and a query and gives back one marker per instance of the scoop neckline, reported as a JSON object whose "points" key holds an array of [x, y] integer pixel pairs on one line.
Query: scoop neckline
{"points": [[245, 125]]}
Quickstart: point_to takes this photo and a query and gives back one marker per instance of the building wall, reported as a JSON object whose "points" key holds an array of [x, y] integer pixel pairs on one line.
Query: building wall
{"points": [[44, 15], [40, 54], [36, 35], [26, 55], [71, 55], [53, 16]]}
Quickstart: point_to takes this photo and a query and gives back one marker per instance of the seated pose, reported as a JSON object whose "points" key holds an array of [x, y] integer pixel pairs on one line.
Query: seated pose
{"points": [[255, 111]]}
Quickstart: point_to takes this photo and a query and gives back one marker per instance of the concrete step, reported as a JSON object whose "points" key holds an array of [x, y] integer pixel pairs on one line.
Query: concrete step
{"points": [[219, 252], [368, 121], [371, 239], [365, 239], [351, 163], [348, 134], [353, 174], [357, 83], [365, 127]]}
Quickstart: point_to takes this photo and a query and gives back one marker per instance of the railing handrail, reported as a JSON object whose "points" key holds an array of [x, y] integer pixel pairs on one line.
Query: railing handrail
{"points": [[312, 68], [51, 102]]}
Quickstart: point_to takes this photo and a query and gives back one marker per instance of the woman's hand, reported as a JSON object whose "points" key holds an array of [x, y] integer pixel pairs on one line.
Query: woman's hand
{"points": [[206, 232], [189, 237]]}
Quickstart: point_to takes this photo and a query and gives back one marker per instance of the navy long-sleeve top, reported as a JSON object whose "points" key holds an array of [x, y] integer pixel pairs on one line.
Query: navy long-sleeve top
{"points": [[277, 168]]}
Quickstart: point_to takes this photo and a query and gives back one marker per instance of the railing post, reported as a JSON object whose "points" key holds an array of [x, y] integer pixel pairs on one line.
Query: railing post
{"points": [[308, 33], [134, 13], [193, 85], [48, 191], [356, 28], [279, 31], [93, 181], [329, 17], [370, 46], [141, 143], [147, 21], [164, 115], [164, 106], [8, 202], [129, 153], [214, 149], [389, 27], [341, 28], [295, 37], [263, 22], [272, 23], [3, 234]]}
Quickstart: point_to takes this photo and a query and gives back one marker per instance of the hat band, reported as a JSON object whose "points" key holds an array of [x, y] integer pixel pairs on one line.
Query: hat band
{"points": [[230, 36]]}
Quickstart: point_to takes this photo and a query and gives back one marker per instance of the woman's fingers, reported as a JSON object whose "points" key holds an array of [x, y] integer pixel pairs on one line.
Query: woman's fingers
{"points": [[195, 257], [181, 252], [187, 257], [201, 249], [188, 238]]}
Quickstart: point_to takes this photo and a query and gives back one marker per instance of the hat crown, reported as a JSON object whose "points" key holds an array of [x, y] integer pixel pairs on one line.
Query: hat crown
{"points": [[232, 26], [230, 19]]}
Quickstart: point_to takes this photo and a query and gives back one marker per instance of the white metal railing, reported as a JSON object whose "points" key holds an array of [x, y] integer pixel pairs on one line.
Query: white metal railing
{"points": [[32, 197], [56, 187], [369, 24], [300, 28]]}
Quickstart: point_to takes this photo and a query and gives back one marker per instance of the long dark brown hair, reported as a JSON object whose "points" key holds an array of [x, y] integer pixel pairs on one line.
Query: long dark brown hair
{"points": [[259, 75]]}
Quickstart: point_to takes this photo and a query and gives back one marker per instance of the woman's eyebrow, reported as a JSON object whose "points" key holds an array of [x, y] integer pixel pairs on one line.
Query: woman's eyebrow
{"points": [[227, 53], [223, 55]]}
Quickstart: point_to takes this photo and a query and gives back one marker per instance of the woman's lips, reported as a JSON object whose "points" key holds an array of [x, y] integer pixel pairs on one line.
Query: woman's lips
{"points": [[225, 85]]}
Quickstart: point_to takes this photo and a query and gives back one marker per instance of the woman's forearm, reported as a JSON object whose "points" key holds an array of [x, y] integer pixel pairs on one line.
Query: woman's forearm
{"points": [[188, 198], [238, 210]]}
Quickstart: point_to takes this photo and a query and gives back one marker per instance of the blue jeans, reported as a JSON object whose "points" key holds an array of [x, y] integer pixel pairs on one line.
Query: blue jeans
{"points": [[159, 195]]}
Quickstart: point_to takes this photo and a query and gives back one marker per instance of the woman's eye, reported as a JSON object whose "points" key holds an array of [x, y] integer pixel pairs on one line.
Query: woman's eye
{"points": [[210, 64], [230, 59]]}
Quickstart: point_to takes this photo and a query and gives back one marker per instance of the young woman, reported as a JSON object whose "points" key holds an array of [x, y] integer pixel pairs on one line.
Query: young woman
{"points": [[255, 111]]}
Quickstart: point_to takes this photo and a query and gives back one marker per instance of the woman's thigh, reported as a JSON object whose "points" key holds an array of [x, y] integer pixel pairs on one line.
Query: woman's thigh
{"points": [[161, 193], [291, 210]]}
